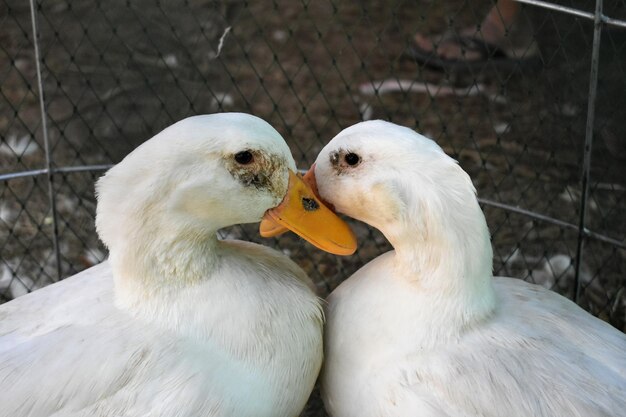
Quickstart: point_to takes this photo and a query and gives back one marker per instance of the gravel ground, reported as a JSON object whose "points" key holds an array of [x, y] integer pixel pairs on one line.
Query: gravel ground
{"points": [[115, 73]]}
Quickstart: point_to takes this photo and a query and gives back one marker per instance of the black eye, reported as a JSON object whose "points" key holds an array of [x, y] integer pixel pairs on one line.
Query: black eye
{"points": [[352, 159], [244, 157]]}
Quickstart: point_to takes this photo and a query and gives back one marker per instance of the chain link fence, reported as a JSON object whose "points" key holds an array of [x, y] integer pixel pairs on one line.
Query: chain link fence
{"points": [[83, 83]]}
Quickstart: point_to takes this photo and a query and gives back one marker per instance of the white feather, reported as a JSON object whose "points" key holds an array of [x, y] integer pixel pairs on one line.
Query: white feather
{"points": [[176, 323], [425, 330], [22, 146]]}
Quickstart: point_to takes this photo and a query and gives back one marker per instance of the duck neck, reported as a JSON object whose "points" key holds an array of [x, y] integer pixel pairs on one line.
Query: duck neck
{"points": [[449, 260], [166, 262]]}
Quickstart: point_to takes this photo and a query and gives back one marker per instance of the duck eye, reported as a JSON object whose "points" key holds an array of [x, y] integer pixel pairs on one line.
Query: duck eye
{"points": [[352, 159], [244, 157]]}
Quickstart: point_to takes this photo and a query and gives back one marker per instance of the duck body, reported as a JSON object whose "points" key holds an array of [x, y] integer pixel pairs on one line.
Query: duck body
{"points": [[537, 354], [426, 330], [176, 323], [216, 356]]}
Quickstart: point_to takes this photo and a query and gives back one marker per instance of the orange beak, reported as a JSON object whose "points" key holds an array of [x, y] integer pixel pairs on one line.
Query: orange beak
{"points": [[302, 212], [271, 228]]}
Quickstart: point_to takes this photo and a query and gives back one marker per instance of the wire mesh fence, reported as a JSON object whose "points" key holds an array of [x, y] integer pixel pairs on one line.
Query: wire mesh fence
{"points": [[83, 83]]}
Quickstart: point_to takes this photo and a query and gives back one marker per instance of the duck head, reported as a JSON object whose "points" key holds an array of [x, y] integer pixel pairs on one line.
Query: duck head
{"points": [[403, 184], [160, 208]]}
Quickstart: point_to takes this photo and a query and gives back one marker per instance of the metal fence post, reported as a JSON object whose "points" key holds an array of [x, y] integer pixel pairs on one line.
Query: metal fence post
{"points": [[591, 107], [44, 128]]}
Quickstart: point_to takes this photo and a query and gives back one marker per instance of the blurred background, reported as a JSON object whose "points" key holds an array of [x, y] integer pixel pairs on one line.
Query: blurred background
{"points": [[531, 104]]}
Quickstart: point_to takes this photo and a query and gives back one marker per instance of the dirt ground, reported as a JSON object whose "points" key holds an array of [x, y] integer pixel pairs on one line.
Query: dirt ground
{"points": [[117, 72]]}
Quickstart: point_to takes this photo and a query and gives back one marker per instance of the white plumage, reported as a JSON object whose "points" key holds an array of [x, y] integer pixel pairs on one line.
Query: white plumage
{"points": [[425, 330], [176, 323]]}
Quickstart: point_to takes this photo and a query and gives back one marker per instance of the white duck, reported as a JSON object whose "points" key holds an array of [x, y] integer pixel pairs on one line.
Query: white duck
{"points": [[178, 323], [425, 330]]}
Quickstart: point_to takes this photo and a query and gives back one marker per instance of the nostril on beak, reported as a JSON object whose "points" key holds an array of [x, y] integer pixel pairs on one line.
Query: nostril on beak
{"points": [[309, 204]]}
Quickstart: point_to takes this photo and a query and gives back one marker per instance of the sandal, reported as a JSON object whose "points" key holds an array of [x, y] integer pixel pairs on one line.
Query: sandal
{"points": [[490, 56]]}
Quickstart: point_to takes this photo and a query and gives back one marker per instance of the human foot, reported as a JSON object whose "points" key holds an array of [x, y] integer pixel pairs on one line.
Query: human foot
{"points": [[502, 36]]}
